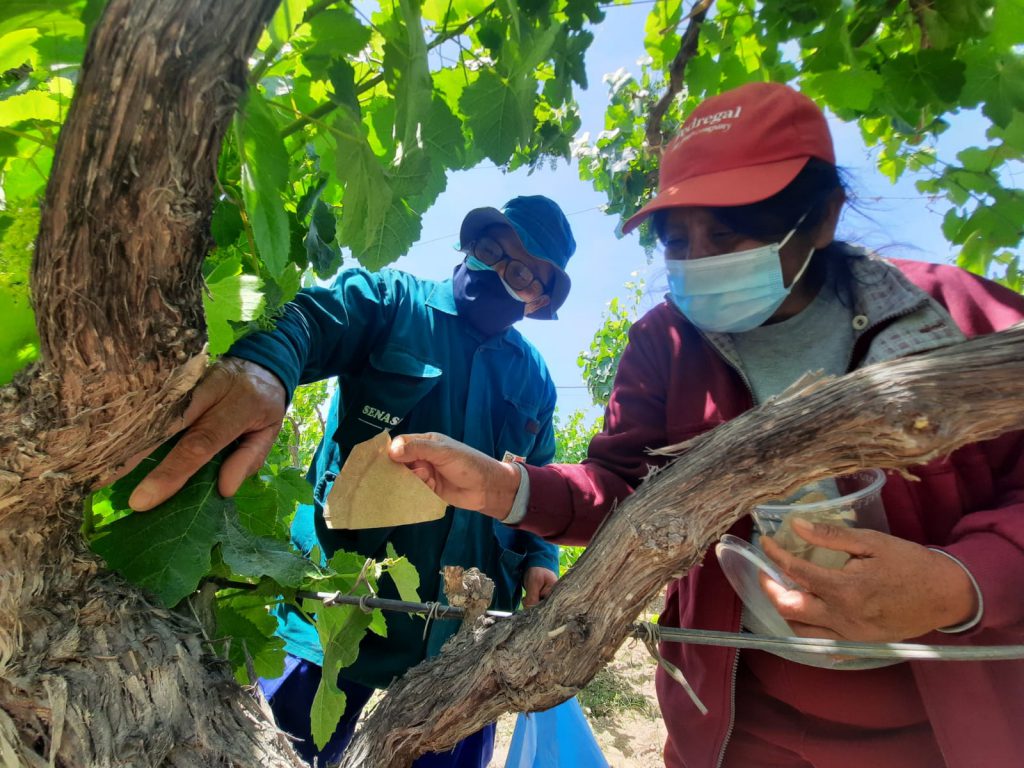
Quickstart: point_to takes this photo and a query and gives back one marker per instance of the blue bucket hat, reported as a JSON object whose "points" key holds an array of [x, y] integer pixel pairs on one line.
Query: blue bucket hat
{"points": [[543, 231]]}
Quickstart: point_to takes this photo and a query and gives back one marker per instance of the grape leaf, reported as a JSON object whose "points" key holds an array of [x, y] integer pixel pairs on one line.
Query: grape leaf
{"points": [[343, 79], [445, 10], [244, 619], [500, 114], [441, 135], [33, 105], [391, 237], [292, 486], [1008, 23], [165, 550], [264, 174], [660, 39], [367, 192], [226, 225], [48, 16], [16, 49], [19, 341], [230, 297], [336, 32], [266, 503], [256, 556], [321, 250], [849, 89], [286, 18], [378, 623], [404, 574], [168, 550], [343, 570], [341, 629]]}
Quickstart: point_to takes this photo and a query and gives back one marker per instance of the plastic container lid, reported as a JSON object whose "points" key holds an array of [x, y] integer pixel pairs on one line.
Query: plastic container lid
{"points": [[742, 563]]}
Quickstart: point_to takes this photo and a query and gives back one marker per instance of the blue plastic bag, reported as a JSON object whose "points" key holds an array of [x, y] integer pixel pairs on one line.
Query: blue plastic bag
{"points": [[559, 737]]}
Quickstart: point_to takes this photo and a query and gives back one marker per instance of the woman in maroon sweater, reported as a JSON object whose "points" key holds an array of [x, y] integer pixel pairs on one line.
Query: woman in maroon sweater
{"points": [[748, 203]]}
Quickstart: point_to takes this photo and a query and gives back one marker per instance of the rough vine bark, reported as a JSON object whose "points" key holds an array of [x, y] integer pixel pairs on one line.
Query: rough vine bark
{"points": [[90, 674], [890, 416]]}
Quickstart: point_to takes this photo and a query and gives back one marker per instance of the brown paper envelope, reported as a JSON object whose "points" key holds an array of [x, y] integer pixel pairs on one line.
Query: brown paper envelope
{"points": [[372, 491]]}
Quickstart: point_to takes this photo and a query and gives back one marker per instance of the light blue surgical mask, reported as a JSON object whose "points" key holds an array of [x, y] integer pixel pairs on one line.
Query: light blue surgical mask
{"points": [[474, 264], [734, 292]]}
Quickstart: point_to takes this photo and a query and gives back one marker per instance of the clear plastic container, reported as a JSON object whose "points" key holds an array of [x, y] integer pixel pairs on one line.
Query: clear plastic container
{"points": [[859, 506]]}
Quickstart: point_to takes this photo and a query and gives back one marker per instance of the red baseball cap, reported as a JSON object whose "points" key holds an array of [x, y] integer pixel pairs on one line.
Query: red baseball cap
{"points": [[739, 147]]}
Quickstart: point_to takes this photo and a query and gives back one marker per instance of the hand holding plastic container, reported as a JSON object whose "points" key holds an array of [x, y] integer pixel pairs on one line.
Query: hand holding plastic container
{"points": [[858, 504]]}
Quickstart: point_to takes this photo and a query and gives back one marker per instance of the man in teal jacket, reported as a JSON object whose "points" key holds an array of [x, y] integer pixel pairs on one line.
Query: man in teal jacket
{"points": [[409, 355]]}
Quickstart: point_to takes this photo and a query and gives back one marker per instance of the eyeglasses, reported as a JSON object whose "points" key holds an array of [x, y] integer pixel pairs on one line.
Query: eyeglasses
{"points": [[517, 275]]}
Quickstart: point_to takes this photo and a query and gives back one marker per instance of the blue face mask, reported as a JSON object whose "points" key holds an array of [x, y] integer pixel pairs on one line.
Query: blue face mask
{"points": [[481, 298], [734, 292]]}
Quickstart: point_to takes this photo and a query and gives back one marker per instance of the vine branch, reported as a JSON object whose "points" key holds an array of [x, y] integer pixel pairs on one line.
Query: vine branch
{"points": [[687, 50]]}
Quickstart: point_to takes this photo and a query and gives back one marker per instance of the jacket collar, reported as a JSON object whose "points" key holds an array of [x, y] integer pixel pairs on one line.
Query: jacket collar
{"points": [[903, 319], [880, 291], [442, 297]]}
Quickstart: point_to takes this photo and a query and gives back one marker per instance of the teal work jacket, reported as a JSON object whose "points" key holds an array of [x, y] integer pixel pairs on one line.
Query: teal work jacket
{"points": [[404, 361]]}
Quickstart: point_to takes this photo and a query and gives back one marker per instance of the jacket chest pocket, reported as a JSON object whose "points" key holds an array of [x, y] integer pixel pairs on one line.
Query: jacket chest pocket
{"points": [[518, 431], [392, 384]]}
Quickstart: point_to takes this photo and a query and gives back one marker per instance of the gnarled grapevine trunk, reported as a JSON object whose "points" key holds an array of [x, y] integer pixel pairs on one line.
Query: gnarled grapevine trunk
{"points": [[90, 674]]}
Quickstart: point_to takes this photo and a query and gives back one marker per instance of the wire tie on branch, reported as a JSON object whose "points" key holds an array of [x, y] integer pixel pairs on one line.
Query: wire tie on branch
{"points": [[362, 604], [432, 613], [651, 636]]}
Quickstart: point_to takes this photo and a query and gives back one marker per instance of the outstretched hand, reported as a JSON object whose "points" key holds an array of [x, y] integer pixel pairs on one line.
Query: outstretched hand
{"points": [[462, 476], [236, 399], [889, 590]]}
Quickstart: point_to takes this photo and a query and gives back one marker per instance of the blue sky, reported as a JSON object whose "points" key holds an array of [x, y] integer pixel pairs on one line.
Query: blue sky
{"points": [[898, 219]]}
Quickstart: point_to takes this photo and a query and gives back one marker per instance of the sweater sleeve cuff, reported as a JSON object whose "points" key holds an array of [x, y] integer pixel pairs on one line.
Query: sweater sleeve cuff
{"points": [[548, 504], [997, 564], [973, 622], [522, 498]]}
